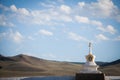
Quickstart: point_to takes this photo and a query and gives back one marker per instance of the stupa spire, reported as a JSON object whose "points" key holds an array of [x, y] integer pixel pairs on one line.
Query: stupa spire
{"points": [[90, 48]]}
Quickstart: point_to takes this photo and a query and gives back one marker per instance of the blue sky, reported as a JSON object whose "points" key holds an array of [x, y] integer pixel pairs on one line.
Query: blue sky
{"points": [[60, 29]]}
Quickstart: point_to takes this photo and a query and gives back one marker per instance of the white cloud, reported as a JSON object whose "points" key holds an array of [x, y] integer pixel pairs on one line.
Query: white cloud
{"points": [[82, 19], [81, 4], [11, 35], [99, 9], [45, 32], [109, 29], [76, 37], [56, 15], [51, 16], [5, 22], [97, 23], [16, 36], [102, 37], [105, 6], [100, 26], [13, 8], [102, 8], [65, 9], [22, 11], [65, 18]]}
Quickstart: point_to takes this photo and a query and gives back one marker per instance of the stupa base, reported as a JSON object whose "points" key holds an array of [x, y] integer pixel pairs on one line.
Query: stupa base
{"points": [[90, 76]]}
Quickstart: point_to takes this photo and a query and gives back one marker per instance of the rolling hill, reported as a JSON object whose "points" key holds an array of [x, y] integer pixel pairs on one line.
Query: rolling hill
{"points": [[24, 65], [112, 68]]}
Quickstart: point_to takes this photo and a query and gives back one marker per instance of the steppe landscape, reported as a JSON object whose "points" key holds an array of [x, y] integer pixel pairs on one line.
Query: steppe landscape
{"points": [[24, 65]]}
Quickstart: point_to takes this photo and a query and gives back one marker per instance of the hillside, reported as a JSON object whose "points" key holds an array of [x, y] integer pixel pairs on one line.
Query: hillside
{"points": [[112, 68], [23, 65], [112, 63]]}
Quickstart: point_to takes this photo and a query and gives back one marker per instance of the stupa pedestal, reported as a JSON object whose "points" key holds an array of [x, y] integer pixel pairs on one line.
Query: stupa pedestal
{"points": [[90, 71], [90, 76]]}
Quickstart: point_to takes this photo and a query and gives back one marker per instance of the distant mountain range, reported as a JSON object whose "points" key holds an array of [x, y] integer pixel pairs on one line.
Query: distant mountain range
{"points": [[24, 65]]}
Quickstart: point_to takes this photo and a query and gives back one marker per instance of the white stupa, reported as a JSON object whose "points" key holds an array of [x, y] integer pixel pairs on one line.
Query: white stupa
{"points": [[90, 66]]}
